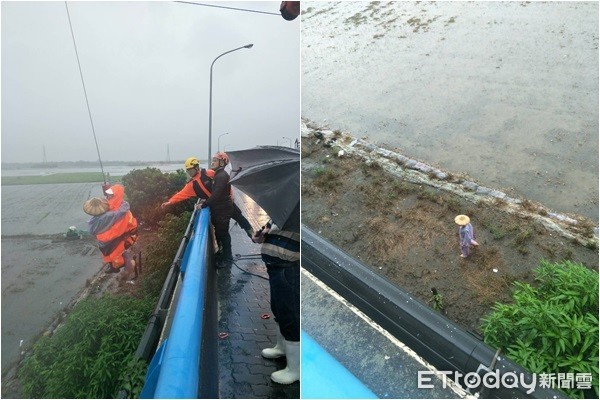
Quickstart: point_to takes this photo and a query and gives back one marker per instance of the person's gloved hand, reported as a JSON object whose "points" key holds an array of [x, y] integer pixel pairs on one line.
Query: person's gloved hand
{"points": [[258, 237], [164, 205]]}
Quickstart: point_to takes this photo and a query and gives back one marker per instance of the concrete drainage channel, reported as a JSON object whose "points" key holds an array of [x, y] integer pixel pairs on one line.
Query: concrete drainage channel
{"points": [[453, 352]]}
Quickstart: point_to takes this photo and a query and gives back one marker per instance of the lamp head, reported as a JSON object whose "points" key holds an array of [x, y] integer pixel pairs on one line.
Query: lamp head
{"points": [[249, 46]]}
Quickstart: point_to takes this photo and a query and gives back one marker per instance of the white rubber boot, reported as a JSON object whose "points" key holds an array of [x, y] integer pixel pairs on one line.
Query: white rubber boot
{"points": [[291, 373], [278, 350]]}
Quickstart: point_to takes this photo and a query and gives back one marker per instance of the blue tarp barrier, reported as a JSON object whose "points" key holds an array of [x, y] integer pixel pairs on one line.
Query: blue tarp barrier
{"points": [[152, 373]]}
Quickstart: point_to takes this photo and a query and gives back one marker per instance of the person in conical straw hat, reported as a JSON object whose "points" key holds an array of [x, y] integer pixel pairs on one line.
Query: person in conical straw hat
{"points": [[114, 227], [466, 234], [95, 206]]}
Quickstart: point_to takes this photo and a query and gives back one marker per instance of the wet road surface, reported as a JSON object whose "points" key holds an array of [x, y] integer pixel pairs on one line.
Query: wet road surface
{"points": [[245, 316]]}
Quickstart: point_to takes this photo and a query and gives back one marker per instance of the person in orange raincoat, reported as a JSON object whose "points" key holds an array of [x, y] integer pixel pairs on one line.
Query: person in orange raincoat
{"points": [[115, 229]]}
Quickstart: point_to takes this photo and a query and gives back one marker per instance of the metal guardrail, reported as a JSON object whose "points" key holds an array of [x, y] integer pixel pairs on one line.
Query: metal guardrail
{"points": [[431, 335], [184, 364], [151, 336]]}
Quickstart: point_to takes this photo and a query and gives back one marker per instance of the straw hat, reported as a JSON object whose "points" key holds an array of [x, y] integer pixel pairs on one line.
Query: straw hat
{"points": [[95, 206], [462, 219]]}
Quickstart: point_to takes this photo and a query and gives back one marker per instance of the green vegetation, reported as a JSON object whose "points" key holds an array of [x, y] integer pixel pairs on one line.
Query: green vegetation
{"points": [[325, 178], [426, 193], [452, 203], [67, 177], [333, 152], [400, 187], [147, 188], [437, 301], [551, 328], [87, 357], [521, 240], [522, 237], [160, 254], [496, 231]]}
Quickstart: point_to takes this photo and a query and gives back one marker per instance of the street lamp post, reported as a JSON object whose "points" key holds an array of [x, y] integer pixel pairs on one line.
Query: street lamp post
{"points": [[248, 46], [289, 140], [219, 141]]}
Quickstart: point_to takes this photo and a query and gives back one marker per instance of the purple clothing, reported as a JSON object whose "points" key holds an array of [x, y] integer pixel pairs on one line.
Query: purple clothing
{"points": [[466, 234]]}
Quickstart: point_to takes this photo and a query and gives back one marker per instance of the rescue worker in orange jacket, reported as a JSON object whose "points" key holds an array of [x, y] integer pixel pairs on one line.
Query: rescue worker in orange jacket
{"points": [[201, 186], [115, 230]]}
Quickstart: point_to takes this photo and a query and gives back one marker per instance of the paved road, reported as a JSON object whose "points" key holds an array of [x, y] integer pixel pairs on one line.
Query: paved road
{"points": [[243, 299], [382, 363]]}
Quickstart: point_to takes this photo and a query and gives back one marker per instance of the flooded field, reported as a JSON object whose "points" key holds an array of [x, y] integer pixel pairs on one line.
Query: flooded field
{"points": [[41, 270], [505, 92], [111, 170]]}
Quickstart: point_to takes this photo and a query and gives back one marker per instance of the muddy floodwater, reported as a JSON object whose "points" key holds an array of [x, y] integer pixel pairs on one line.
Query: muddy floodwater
{"points": [[505, 92], [42, 271]]}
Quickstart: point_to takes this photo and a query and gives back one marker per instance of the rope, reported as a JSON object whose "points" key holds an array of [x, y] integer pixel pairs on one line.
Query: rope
{"points": [[248, 257], [85, 93], [248, 272], [229, 8]]}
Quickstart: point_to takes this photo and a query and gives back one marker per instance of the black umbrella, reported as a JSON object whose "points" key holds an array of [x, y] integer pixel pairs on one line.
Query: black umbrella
{"points": [[270, 175]]}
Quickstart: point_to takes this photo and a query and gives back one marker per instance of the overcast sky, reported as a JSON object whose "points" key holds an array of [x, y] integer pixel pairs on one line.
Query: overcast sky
{"points": [[146, 67]]}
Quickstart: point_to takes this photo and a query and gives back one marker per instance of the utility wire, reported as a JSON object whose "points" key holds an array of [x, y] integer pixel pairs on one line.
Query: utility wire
{"points": [[229, 8], [85, 93]]}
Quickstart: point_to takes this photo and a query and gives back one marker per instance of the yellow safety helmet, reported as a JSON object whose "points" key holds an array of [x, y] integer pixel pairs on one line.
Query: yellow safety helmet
{"points": [[191, 162]]}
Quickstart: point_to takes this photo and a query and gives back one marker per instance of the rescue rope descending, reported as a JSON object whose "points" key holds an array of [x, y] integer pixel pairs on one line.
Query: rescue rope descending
{"points": [[85, 94]]}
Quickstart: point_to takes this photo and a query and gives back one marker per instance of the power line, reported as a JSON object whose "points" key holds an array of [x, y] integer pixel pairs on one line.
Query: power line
{"points": [[229, 8], [85, 93]]}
